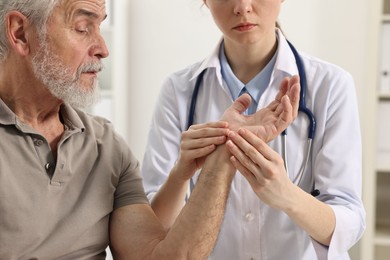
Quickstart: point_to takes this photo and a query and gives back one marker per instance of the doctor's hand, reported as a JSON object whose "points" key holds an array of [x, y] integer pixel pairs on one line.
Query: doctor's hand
{"points": [[196, 143], [262, 167], [268, 122]]}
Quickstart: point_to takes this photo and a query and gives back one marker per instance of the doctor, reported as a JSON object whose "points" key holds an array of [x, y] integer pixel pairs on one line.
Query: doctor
{"points": [[267, 216]]}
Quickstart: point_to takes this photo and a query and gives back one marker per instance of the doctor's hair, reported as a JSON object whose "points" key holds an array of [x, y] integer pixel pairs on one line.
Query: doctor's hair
{"points": [[37, 12]]}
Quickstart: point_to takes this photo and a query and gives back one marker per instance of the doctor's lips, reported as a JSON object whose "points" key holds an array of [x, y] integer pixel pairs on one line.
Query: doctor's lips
{"points": [[242, 27]]}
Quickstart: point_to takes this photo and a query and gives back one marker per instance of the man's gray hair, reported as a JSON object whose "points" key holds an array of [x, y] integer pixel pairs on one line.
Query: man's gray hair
{"points": [[37, 11]]}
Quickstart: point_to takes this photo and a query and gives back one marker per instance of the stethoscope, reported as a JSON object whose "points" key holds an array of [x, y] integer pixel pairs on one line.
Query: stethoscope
{"points": [[302, 108]]}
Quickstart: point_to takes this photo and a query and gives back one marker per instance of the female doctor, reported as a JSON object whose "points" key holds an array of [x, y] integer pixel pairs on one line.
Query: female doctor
{"points": [[279, 207]]}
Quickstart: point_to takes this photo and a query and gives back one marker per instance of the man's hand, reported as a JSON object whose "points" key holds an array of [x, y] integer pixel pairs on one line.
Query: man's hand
{"points": [[270, 121]]}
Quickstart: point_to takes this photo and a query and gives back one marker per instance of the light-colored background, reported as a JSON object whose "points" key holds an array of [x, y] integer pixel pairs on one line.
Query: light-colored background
{"points": [[150, 39], [167, 35]]}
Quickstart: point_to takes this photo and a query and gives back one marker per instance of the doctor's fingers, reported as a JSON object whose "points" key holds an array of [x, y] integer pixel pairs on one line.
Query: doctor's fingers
{"points": [[255, 179], [213, 129], [191, 144], [246, 158], [249, 169], [254, 153], [188, 155], [257, 143], [215, 124]]}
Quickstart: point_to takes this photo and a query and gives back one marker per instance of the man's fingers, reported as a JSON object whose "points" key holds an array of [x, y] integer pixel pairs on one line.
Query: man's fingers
{"points": [[242, 103], [290, 87], [293, 95], [287, 115], [283, 88]]}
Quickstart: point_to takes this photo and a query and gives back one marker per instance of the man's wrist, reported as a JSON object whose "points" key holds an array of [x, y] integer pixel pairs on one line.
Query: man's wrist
{"points": [[219, 160]]}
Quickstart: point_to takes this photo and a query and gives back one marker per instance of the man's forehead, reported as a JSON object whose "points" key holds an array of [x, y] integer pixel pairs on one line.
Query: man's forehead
{"points": [[83, 7]]}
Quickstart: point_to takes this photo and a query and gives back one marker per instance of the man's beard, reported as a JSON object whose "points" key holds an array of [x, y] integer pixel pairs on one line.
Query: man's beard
{"points": [[60, 81]]}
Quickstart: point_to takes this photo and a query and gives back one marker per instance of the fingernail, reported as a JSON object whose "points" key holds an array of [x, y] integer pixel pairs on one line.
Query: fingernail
{"points": [[229, 143], [241, 131]]}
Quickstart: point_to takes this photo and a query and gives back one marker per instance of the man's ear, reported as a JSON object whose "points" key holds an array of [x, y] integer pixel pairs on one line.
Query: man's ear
{"points": [[17, 29]]}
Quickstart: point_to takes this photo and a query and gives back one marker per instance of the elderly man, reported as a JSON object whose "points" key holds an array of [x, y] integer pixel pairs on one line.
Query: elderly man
{"points": [[69, 186]]}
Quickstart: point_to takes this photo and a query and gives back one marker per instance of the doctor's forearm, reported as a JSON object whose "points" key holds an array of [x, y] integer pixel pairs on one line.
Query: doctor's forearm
{"points": [[312, 215], [169, 200]]}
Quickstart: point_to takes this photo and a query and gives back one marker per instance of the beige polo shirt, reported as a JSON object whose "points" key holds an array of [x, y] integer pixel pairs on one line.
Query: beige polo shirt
{"points": [[60, 209]]}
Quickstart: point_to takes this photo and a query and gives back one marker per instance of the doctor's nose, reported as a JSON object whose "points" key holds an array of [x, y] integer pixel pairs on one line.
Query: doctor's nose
{"points": [[242, 7]]}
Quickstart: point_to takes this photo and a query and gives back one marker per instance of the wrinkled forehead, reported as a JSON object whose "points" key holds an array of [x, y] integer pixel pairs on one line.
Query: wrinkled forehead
{"points": [[93, 8]]}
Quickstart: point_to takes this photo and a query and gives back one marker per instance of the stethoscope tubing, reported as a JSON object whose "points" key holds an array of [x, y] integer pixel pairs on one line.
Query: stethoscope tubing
{"points": [[302, 94], [301, 108]]}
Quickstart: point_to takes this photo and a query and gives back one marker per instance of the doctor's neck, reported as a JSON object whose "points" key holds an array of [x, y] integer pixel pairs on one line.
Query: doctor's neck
{"points": [[246, 61]]}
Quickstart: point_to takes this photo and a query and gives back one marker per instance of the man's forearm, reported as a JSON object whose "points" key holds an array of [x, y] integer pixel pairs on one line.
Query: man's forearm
{"points": [[202, 216]]}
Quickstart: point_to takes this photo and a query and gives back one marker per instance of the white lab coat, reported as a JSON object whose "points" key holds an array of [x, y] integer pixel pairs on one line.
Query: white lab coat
{"points": [[252, 229]]}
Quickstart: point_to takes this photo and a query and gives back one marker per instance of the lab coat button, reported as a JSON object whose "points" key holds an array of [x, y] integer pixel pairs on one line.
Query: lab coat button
{"points": [[249, 216]]}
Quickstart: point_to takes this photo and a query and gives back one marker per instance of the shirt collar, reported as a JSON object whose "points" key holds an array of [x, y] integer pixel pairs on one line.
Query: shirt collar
{"points": [[69, 115], [285, 60], [255, 86], [71, 118], [212, 61], [233, 83], [260, 82], [7, 116]]}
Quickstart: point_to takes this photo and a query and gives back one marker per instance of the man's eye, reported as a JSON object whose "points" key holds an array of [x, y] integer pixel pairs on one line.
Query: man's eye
{"points": [[82, 30]]}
